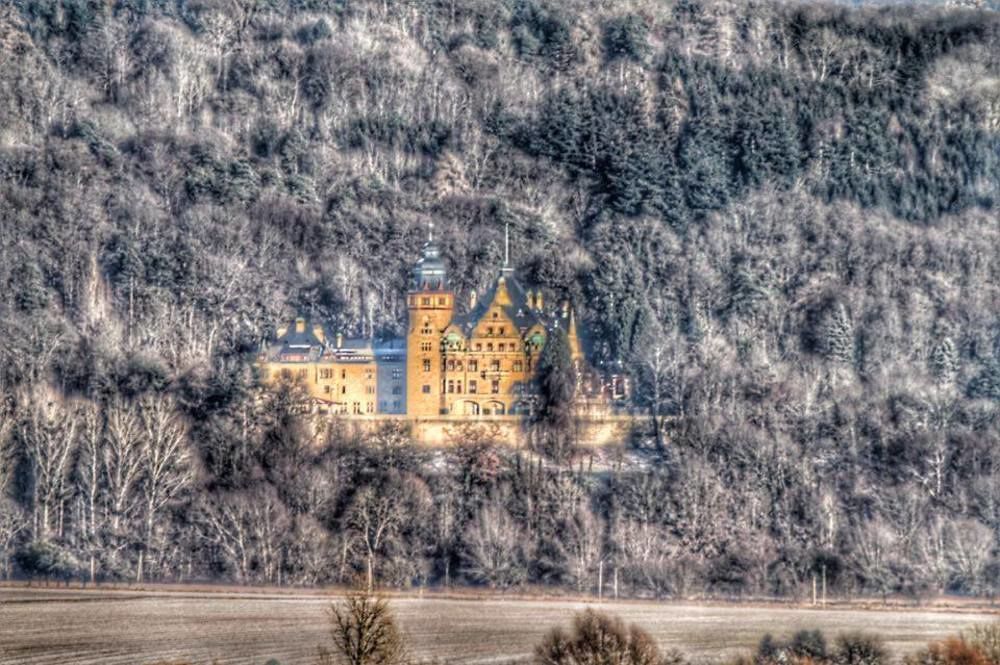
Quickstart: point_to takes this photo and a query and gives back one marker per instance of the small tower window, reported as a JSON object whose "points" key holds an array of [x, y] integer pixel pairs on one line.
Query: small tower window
{"points": [[425, 301], [427, 365]]}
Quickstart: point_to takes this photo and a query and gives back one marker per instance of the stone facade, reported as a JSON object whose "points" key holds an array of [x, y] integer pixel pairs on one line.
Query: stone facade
{"points": [[477, 363]]}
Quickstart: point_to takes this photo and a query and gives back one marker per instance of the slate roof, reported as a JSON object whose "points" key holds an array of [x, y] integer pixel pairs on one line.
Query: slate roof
{"points": [[519, 311]]}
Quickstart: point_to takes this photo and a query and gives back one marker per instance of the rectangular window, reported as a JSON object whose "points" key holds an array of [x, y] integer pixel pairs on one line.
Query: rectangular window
{"points": [[425, 389], [425, 346], [495, 387], [451, 365], [501, 331], [501, 347], [397, 373], [451, 386], [442, 300], [397, 390], [343, 390], [370, 390], [489, 331], [458, 386], [343, 374], [472, 386], [370, 407], [326, 389], [494, 365], [518, 366], [427, 365], [473, 365], [479, 346], [425, 301]]}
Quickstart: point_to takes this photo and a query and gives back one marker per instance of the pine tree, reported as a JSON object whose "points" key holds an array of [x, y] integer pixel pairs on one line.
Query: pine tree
{"points": [[838, 335], [944, 361]]}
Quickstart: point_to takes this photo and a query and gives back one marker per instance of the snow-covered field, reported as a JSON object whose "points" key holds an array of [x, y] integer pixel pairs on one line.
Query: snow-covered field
{"points": [[47, 626]]}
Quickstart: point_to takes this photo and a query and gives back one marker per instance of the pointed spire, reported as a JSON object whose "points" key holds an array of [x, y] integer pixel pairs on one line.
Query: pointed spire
{"points": [[506, 244], [506, 249], [576, 352]]}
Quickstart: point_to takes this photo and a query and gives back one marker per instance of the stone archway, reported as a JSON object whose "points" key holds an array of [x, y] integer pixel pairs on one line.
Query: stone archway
{"points": [[496, 408], [470, 408]]}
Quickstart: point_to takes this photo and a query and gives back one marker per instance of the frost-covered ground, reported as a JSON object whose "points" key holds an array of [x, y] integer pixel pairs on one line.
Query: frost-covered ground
{"points": [[44, 627]]}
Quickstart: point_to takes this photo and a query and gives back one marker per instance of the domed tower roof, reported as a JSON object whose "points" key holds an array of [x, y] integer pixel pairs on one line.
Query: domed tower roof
{"points": [[429, 273]]}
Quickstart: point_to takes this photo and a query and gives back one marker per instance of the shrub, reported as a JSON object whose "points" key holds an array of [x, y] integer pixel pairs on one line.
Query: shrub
{"points": [[860, 649], [986, 639], [600, 638], [953, 651]]}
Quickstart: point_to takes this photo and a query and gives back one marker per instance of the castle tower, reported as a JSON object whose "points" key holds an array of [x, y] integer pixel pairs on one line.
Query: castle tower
{"points": [[430, 305]]}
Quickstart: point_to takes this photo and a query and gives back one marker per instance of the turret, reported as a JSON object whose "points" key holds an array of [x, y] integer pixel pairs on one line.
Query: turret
{"points": [[430, 307]]}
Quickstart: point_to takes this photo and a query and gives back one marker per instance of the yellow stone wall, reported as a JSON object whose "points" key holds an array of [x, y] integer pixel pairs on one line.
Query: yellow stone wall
{"points": [[350, 387], [481, 374], [429, 313]]}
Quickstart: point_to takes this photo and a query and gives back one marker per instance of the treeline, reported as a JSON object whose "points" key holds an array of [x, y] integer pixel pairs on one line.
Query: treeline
{"points": [[780, 218]]}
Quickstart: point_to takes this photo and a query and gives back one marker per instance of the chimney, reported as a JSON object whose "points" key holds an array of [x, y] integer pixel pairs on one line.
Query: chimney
{"points": [[300, 325], [319, 333], [340, 340]]}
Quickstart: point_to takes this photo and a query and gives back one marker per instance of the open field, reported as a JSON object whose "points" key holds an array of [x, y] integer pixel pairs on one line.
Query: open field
{"points": [[49, 626]]}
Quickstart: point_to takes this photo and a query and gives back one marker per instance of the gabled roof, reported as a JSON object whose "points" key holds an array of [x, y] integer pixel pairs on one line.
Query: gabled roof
{"points": [[515, 305]]}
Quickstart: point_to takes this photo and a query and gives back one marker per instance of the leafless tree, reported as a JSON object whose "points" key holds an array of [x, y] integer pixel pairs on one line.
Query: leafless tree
{"points": [[166, 464], [364, 632], [495, 549], [374, 517], [13, 522], [49, 436], [122, 472], [598, 638]]}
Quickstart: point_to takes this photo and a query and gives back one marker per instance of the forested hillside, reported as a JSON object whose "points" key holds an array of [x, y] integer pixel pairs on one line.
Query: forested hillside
{"points": [[781, 218]]}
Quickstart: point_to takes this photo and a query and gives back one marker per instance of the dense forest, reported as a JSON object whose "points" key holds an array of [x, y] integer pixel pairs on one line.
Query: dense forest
{"points": [[781, 219]]}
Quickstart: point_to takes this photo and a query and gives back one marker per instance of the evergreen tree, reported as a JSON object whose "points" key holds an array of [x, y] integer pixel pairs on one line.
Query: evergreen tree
{"points": [[944, 360], [838, 335]]}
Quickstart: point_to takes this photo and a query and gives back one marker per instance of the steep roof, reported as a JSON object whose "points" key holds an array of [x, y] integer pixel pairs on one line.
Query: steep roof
{"points": [[511, 296]]}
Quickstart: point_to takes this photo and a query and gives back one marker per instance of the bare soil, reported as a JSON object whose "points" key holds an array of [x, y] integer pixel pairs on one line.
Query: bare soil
{"points": [[48, 626]]}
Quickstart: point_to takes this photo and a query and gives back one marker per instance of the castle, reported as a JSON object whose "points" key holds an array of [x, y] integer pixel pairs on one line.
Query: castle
{"points": [[477, 363]]}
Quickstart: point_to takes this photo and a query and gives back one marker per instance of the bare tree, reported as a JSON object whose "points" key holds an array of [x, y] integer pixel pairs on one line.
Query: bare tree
{"points": [[598, 638], [374, 517], [90, 482], [122, 471], [494, 548], [251, 530], [364, 632], [49, 436], [582, 543], [166, 464], [13, 521]]}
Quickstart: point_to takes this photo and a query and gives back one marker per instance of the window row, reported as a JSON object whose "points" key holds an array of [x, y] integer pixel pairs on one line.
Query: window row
{"points": [[455, 387]]}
